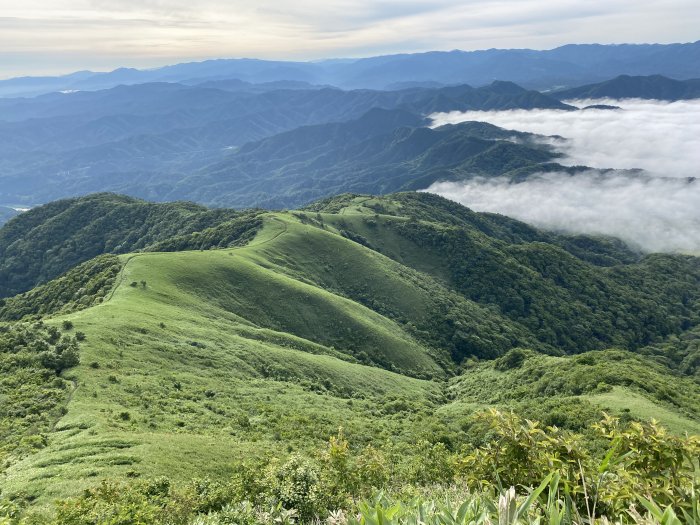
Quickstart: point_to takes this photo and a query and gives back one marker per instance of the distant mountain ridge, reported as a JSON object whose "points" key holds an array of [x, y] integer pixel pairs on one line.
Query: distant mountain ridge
{"points": [[150, 140], [567, 65], [382, 152], [655, 87]]}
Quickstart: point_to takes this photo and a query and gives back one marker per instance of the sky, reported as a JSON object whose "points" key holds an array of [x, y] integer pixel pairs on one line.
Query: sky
{"points": [[657, 210], [60, 36]]}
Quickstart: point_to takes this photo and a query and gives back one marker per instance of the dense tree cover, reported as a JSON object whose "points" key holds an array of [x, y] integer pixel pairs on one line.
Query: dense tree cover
{"points": [[564, 481], [521, 377], [32, 390], [47, 241], [235, 232], [563, 301], [81, 287], [571, 293], [680, 352]]}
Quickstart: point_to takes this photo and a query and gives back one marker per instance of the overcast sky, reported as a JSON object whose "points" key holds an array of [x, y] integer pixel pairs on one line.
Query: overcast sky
{"points": [[55, 36]]}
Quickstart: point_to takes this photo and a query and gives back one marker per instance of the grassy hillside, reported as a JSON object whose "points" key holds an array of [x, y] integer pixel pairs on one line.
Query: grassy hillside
{"points": [[613, 380], [338, 315], [191, 364], [572, 294]]}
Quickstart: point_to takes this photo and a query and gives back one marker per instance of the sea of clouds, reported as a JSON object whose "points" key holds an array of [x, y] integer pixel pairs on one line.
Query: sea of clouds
{"points": [[658, 210]]}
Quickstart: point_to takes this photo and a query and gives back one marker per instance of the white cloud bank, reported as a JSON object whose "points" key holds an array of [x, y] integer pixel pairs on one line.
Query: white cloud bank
{"points": [[657, 215], [659, 211]]}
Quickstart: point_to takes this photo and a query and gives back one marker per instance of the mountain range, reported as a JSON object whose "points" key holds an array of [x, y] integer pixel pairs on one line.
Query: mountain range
{"points": [[568, 66], [279, 144], [226, 295], [161, 141], [382, 152], [656, 87]]}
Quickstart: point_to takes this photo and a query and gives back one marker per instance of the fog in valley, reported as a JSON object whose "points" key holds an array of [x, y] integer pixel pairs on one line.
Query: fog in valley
{"points": [[658, 210]]}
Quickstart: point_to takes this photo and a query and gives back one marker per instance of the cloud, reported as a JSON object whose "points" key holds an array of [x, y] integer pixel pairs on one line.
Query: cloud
{"points": [[660, 137], [650, 214], [78, 33], [655, 211]]}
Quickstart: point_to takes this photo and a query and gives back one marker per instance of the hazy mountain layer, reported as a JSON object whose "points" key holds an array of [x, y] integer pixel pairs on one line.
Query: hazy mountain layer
{"points": [[567, 65], [382, 152], [6, 214], [656, 87], [147, 140]]}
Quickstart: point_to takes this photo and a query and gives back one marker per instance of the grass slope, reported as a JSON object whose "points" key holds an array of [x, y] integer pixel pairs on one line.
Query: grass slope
{"points": [[219, 379], [612, 380], [333, 316]]}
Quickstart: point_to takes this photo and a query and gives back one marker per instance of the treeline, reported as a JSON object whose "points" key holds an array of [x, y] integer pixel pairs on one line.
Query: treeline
{"points": [[85, 285], [554, 293], [569, 294], [234, 232], [554, 389], [563, 301]]}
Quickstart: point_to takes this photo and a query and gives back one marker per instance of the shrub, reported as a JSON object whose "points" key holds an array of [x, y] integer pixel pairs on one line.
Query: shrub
{"points": [[512, 359], [295, 485]]}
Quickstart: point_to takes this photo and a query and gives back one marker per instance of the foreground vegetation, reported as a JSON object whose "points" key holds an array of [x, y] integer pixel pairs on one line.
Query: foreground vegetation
{"points": [[642, 474]]}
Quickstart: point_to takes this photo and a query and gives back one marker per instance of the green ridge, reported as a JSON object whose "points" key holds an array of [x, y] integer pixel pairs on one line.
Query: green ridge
{"points": [[339, 315]]}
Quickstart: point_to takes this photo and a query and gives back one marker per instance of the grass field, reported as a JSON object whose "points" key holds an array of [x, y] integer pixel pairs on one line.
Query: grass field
{"points": [[206, 364], [198, 359], [622, 399]]}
